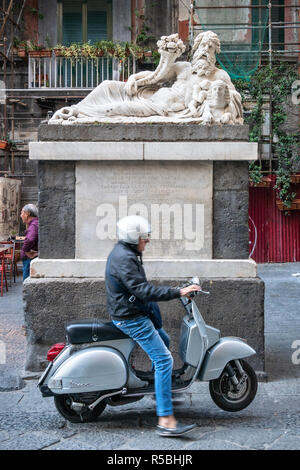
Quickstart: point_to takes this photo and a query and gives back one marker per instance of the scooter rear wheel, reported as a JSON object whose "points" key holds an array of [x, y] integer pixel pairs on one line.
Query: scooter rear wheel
{"points": [[229, 398], [63, 405]]}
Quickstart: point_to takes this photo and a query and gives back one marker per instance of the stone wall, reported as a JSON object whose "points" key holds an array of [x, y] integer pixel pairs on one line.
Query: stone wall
{"points": [[235, 306], [57, 210]]}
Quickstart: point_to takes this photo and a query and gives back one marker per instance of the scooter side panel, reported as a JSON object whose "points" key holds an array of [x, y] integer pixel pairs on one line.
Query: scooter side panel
{"points": [[90, 370], [192, 345], [216, 358]]}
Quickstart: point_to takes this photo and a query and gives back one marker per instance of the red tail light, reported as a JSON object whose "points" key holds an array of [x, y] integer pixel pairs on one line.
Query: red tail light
{"points": [[54, 351]]}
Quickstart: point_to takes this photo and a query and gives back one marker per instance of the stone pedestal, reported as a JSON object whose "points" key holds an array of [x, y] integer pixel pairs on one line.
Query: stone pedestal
{"points": [[190, 181]]}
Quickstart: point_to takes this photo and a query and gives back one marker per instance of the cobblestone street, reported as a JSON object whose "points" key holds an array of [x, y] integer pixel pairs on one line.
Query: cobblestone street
{"points": [[272, 421]]}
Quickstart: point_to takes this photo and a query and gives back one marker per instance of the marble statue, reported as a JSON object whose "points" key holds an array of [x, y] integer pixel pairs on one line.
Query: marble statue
{"points": [[200, 92]]}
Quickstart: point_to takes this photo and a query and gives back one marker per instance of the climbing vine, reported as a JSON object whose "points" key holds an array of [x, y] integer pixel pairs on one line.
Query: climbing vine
{"points": [[276, 80]]}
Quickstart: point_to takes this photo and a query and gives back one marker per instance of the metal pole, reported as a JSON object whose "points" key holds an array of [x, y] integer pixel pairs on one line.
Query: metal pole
{"points": [[13, 138], [270, 90], [5, 102], [232, 7]]}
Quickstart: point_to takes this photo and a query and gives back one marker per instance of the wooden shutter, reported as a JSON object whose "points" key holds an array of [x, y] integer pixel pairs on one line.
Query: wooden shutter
{"points": [[72, 21], [97, 26]]}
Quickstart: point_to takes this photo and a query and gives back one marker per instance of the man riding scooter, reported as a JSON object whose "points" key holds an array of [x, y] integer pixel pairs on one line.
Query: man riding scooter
{"points": [[128, 297]]}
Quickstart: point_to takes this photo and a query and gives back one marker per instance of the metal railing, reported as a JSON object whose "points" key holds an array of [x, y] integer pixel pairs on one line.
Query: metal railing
{"points": [[76, 72]]}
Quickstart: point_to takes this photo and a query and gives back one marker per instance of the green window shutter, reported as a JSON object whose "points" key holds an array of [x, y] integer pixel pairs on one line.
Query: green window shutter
{"points": [[97, 26], [72, 27], [278, 33]]}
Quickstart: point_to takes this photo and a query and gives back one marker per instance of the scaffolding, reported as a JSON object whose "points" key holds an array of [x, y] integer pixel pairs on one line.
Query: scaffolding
{"points": [[276, 28], [11, 13]]}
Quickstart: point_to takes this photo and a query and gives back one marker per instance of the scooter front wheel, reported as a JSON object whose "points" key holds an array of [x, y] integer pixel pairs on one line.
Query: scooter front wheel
{"points": [[64, 405], [230, 397]]}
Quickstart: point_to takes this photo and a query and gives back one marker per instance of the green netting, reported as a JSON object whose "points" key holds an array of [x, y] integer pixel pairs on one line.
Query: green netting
{"points": [[242, 32]]}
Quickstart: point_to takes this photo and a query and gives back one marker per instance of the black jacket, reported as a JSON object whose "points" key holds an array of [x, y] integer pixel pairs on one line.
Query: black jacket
{"points": [[125, 277]]}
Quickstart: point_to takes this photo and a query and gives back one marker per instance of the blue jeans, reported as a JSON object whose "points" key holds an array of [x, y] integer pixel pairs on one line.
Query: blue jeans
{"points": [[166, 339], [26, 268], [142, 330], [164, 336]]}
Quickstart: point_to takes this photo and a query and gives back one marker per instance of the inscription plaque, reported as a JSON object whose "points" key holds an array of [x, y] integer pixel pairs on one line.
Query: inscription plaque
{"points": [[174, 197]]}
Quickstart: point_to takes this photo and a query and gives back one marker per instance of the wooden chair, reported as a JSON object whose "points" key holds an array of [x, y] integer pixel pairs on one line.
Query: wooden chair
{"points": [[3, 273], [10, 258]]}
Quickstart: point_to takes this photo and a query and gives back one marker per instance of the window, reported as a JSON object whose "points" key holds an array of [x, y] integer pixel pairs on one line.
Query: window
{"points": [[82, 21], [260, 21]]}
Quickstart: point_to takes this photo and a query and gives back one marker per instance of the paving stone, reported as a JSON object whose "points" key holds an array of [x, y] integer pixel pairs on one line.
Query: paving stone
{"points": [[102, 439], [215, 444], [70, 444], [25, 422], [150, 440], [286, 441], [28, 441], [4, 436], [254, 438]]}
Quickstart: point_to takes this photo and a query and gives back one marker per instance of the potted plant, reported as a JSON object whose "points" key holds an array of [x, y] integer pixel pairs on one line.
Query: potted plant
{"points": [[58, 50], [42, 80], [88, 50], [4, 145], [109, 47], [22, 53], [294, 205], [74, 50], [99, 49], [135, 50], [295, 178], [37, 50], [120, 52], [99, 52], [265, 182], [19, 48]]}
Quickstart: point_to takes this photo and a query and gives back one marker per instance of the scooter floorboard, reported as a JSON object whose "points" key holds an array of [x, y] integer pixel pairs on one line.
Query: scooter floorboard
{"points": [[150, 389], [149, 375]]}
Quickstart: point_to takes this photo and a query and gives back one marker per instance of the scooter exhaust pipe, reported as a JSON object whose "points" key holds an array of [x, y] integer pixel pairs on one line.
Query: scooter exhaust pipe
{"points": [[95, 403]]}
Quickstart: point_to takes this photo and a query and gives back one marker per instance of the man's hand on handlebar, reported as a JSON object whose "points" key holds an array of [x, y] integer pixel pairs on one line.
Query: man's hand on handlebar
{"points": [[186, 291]]}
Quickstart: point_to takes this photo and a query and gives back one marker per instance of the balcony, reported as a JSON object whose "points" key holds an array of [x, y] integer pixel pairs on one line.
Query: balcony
{"points": [[55, 72]]}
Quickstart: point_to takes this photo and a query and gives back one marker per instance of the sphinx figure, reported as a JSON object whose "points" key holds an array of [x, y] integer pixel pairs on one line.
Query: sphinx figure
{"points": [[213, 104], [201, 92]]}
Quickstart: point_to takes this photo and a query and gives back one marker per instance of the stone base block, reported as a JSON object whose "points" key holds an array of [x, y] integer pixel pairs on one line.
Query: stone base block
{"points": [[235, 306], [10, 379], [155, 268]]}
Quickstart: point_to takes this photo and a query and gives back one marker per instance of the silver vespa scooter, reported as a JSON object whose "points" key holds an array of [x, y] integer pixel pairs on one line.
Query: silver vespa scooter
{"points": [[94, 368]]}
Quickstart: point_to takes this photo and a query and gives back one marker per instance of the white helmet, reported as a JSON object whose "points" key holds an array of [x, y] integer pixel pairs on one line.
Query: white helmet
{"points": [[133, 227]]}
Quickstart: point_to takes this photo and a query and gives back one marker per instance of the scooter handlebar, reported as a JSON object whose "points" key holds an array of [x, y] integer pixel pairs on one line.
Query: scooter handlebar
{"points": [[192, 294], [197, 282]]}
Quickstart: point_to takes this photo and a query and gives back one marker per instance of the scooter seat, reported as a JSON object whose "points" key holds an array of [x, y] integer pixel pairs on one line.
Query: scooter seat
{"points": [[90, 331]]}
